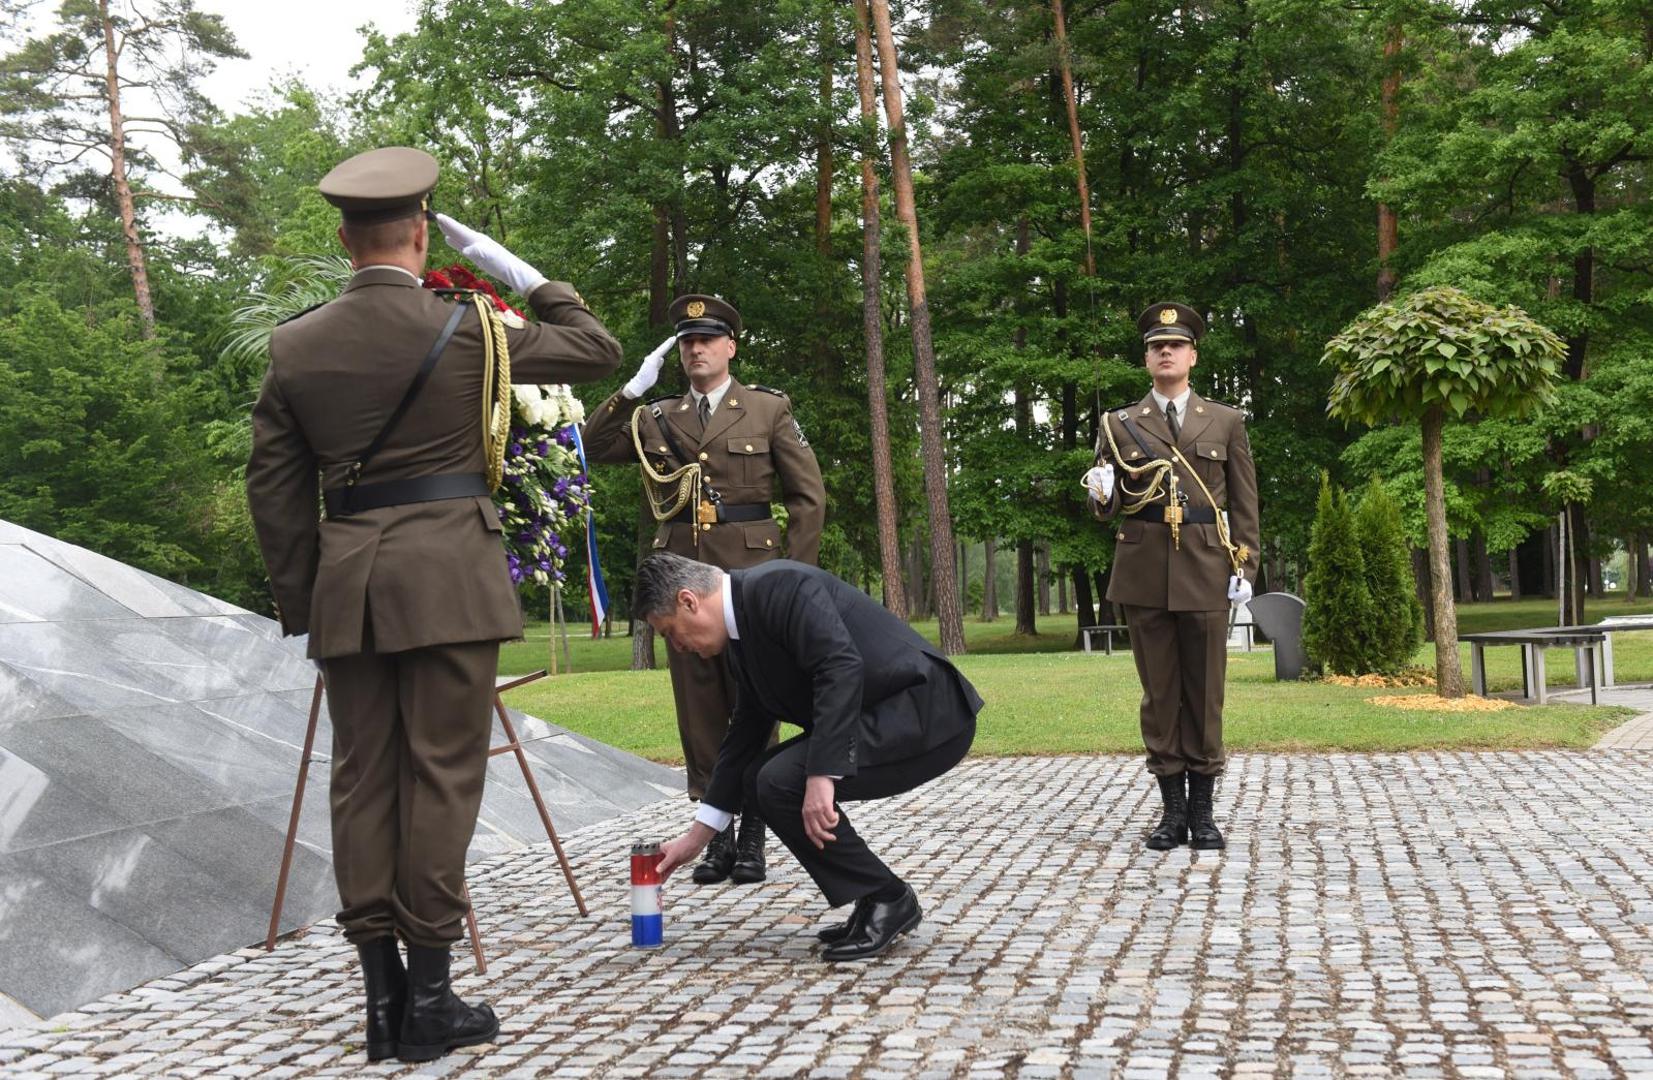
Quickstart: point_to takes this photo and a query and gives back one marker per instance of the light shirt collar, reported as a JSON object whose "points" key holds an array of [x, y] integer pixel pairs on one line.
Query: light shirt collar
{"points": [[714, 396], [387, 266], [729, 605], [1160, 400]]}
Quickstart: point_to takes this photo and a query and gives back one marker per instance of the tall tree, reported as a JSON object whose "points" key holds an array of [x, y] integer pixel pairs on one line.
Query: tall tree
{"points": [[949, 611], [68, 94], [872, 322]]}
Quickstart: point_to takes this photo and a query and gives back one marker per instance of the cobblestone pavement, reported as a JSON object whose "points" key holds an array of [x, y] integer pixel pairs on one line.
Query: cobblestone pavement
{"points": [[1634, 734], [1434, 914]]}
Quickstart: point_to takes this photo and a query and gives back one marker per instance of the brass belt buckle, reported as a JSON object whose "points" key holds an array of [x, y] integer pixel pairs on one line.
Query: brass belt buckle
{"points": [[707, 513], [1173, 515]]}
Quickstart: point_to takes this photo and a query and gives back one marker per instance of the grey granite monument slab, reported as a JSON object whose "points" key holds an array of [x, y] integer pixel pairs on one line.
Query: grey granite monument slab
{"points": [[150, 738], [1280, 616]]}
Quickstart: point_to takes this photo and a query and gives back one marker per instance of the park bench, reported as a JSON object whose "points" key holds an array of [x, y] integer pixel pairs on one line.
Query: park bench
{"points": [[1609, 625], [1587, 643], [1107, 633]]}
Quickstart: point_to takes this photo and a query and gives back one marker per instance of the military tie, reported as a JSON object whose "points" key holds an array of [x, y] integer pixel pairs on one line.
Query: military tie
{"points": [[1171, 419], [705, 411]]}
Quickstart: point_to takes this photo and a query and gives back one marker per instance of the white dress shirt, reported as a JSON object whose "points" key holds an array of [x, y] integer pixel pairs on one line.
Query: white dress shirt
{"points": [[714, 396], [386, 266], [709, 814], [1181, 400]]}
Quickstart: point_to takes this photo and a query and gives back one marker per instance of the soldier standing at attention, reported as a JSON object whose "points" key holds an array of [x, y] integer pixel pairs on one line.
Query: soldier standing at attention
{"points": [[1178, 468], [371, 405], [710, 460]]}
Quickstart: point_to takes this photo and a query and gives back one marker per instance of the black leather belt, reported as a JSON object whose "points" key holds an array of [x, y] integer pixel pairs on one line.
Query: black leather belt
{"points": [[725, 513], [342, 502], [1191, 515]]}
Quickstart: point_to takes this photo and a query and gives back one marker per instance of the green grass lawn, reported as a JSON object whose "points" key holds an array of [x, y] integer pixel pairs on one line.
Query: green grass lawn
{"points": [[1071, 703]]}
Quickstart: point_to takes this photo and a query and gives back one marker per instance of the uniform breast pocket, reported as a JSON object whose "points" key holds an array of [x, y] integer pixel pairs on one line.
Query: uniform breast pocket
{"points": [[749, 460], [1212, 458], [1130, 531]]}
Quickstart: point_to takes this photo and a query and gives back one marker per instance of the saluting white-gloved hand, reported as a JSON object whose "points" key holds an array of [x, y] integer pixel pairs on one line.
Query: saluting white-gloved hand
{"points": [[490, 255], [1239, 590], [1099, 482], [649, 372]]}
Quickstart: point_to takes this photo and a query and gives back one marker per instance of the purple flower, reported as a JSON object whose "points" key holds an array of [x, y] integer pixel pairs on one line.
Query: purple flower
{"points": [[565, 435]]}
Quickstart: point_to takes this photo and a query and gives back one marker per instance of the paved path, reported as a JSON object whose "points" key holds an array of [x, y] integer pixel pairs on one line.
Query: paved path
{"points": [[1435, 914], [1634, 734]]}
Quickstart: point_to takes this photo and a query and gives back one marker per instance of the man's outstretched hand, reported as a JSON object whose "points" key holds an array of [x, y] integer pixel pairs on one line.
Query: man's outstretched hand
{"points": [[820, 815], [685, 849]]}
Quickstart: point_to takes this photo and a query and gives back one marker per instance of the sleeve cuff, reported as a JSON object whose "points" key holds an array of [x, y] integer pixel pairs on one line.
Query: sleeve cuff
{"points": [[710, 815]]}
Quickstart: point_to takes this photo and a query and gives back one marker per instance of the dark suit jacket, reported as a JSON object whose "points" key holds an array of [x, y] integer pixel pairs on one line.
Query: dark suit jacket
{"points": [[423, 573], [819, 653]]}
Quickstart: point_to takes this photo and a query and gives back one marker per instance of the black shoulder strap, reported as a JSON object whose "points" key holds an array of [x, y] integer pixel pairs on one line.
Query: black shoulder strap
{"points": [[666, 433], [1133, 431], [413, 389]]}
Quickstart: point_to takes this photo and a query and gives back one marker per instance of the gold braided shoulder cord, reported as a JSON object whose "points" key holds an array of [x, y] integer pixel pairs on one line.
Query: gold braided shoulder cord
{"points": [[496, 390], [1161, 469], [682, 486]]}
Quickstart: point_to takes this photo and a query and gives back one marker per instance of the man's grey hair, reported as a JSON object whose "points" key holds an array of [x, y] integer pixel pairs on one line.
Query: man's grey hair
{"points": [[662, 576]]}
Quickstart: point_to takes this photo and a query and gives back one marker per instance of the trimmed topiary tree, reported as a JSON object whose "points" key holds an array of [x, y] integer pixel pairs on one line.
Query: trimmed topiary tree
{"points": [[1397, 617], [1338, 612], [1433, 352]]}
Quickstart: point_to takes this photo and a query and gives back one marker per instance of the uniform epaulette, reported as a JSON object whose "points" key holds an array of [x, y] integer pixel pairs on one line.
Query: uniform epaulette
{"points": [[1223, 405], [662, 397], [302, 314], [768, 390]]}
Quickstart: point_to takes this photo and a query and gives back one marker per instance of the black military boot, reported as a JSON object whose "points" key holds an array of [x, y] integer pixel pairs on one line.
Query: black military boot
{"points": [[1172, 829], [1203, 832], [387, 994], [749, 865], [436, 1021], [719, 859]]}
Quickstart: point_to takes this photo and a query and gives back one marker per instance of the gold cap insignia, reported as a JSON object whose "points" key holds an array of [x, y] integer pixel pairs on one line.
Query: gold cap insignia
{"points": [[1168, 316], [695, 309]]}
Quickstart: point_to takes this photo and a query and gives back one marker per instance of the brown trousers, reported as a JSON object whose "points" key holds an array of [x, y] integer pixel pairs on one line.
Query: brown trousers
{"points": [[1182, 660], [410, 753], [704, 691]]}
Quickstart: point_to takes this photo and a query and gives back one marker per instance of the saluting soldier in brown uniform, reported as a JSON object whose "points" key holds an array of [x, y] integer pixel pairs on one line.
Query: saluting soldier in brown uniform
{"points": [[373, 402], [1178, 467], [741, 439]]}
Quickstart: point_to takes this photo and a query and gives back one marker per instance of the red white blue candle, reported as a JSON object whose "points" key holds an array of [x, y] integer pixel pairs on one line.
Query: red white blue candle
{"points": [[647, 922]]}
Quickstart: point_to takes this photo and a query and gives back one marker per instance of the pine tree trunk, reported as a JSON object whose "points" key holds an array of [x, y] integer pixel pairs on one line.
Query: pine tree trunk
{"points": [[1646, 559], [136, 264], [1420, 573], [1072, 103], [1061, 594], [989, 582], [824, 366], [1515, 575], [1552, 541], [932, 439], [1041, 553], [1026, 590], [1449, 677], [1082, 602], [1388, 234], [872, 324], [1463, 580]]}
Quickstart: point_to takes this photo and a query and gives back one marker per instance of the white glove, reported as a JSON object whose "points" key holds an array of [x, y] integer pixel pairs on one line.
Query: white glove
{"points": [[1239, 590], [490, 255], [1099, 482], [649, 373]]}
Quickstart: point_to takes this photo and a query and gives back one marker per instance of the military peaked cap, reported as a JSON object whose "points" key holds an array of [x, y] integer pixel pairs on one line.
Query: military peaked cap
{"points": [[697, 314], [381, 185], [1170, 320]]}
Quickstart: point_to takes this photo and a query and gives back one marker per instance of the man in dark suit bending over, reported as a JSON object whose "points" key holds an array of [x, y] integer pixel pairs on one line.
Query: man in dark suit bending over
{"points": [[882, 712]]}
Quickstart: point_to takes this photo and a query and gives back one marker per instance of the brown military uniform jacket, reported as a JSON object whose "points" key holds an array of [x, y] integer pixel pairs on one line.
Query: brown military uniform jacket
{"points": [[751, 442], [422, 573], [1148, 571]]}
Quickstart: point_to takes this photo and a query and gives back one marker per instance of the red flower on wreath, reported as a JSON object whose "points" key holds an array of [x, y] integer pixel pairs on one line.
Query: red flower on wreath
{"points": [[458, 277]]}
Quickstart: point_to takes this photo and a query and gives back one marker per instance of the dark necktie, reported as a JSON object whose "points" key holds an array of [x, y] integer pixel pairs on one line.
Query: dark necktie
{"points": [[1171, 419], [705, 412]]}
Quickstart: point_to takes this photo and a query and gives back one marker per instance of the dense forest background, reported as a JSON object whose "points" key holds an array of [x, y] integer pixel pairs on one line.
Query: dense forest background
{"points": [[1280, 164]]}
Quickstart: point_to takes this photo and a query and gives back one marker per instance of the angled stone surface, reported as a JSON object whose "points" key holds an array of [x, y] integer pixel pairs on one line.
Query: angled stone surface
{"points": [[150, 740]]}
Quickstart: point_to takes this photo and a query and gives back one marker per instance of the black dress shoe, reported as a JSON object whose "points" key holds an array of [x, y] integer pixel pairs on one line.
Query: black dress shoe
{"points": [[436, 1021], [387, 994], [719, 859], [1172, 829], [1202, 830], [884, 921], [839, 931], [749, 867]]}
